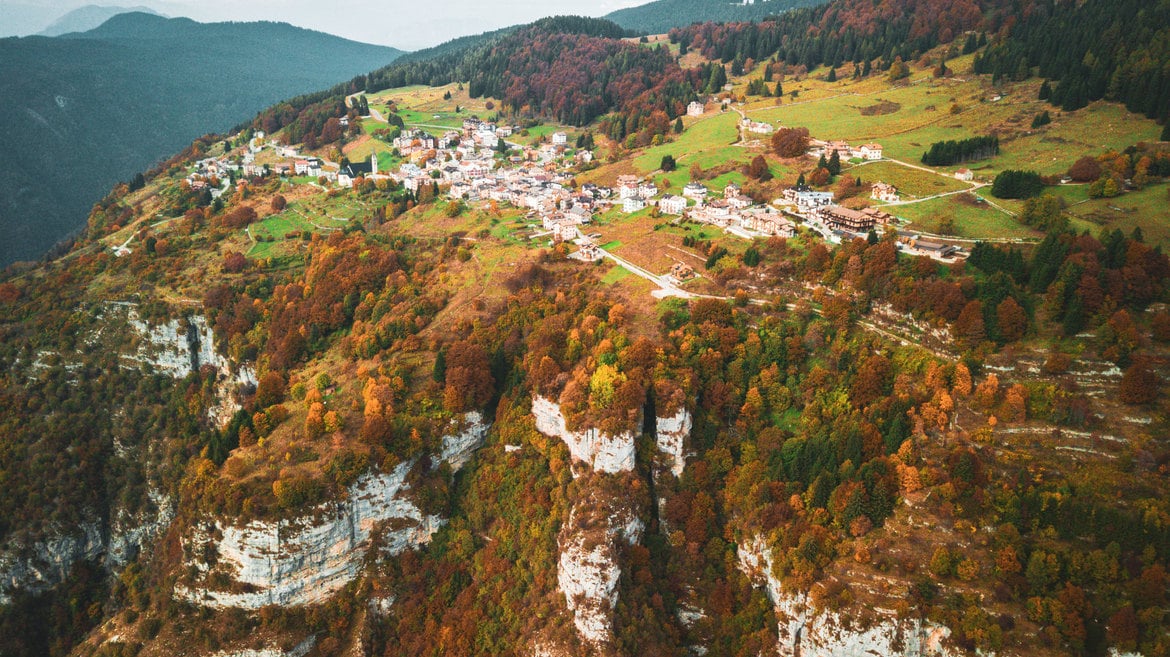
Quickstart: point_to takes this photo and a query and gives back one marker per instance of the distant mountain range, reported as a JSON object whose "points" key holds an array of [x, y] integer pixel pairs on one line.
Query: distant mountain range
{"points": [[88, 110], [662, 15], [89, 17]]}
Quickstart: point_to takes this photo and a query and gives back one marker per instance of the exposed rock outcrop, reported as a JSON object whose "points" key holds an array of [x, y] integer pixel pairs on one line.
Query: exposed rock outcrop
{"points": [[599, 451], [807, 632], [182, 346], [307, 559], [671, 434], [588, 569], [47, 563]]}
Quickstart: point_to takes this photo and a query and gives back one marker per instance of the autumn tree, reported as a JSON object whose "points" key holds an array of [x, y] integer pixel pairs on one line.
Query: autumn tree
{"points": [[790, 142], [969, 326], [1139, 384], [1011, 320], [758, 169]]}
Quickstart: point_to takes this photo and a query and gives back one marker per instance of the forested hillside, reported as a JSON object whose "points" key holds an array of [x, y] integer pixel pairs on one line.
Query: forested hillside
{"points": [[662, 15], [88, 110], [1094, 50], [571, 69]]}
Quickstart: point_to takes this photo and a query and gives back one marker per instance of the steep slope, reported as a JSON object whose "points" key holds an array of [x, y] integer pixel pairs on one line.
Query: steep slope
{"points": [[663, 15], [91, 109], [87, 18]]}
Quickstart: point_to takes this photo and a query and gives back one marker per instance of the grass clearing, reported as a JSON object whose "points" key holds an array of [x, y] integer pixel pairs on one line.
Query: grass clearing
{"points": [[911, 183], [972, 221]]}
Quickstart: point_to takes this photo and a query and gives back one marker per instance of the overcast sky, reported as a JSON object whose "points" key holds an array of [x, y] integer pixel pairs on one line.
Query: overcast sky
{"points": [[406, 24]]}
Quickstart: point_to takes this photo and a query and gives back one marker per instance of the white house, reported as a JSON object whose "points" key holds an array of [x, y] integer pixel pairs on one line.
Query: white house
{"points": [[560, 139], [695, 190], [806, 199], [885, 192], [965, 175], [758, 127], [632, 204], [647, 190], [730, 190], [695, 109], [739, 202], [671, 204], [870, 152]]}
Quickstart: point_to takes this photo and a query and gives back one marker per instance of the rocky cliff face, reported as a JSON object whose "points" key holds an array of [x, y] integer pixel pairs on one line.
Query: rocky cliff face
{"points": [[588, 568], [182, 346], [672, 432], [45, 564], [806, 632], [307, 559], [599, 451]]}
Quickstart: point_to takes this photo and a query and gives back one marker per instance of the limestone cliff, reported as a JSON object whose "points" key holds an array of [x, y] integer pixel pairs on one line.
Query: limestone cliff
{"points": [[807, 632], [307, 559], [672, 432], [588, 568], [599, 451]]}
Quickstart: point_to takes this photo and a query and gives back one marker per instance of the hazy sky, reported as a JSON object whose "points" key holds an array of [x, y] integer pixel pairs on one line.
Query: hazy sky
{"points": [[407, 24]]}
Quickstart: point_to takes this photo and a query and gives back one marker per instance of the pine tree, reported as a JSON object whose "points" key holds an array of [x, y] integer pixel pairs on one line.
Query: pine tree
{"points": [[779, 90], [834, 164], [823, 163], [678, 126], [1166, 131], [1045, 91], [832, 75], [800, 180], [971, 45]]}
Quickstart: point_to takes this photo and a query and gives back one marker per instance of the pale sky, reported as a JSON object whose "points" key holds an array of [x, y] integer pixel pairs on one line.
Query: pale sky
{"points": [[406, 24]]}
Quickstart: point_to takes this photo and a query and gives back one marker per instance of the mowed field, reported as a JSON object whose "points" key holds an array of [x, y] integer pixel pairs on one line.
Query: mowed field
{"points": [[426, 106], [908, 116]]}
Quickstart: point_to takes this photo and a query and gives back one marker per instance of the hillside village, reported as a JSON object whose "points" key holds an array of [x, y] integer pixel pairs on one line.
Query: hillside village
{"points": [[478, 165]]}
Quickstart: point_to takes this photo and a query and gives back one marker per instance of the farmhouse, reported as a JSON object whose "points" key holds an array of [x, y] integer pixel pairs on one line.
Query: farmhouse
{"points": [[695, 109], [885, 192], [869, 152], [560, 139], [965, 175], [935, 249], [758, 127]]}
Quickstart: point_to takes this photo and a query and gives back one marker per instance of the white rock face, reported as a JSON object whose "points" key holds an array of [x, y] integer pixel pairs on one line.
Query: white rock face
{"points": [[47, 563], [130, 532], [460, 446], [603, 453], [306, 560], [672, 432], [802, 631], [588, 572]]}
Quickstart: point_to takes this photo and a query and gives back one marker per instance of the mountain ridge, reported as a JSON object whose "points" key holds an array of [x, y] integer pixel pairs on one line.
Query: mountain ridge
{"points": [[92, 109], [87, 18]]}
